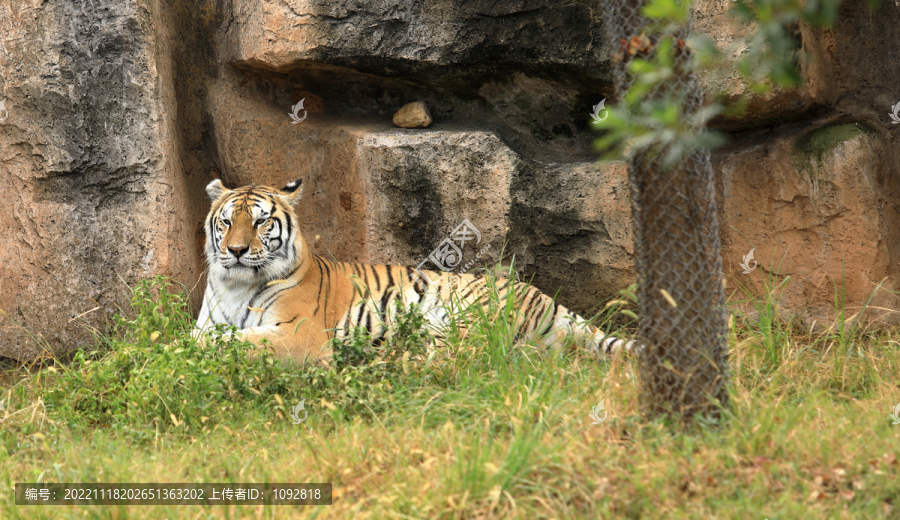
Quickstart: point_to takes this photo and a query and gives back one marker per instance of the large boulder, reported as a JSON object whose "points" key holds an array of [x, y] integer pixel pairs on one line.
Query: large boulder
{"points": [[721, 80], [95, 198], [421, 41], [820, 207]]}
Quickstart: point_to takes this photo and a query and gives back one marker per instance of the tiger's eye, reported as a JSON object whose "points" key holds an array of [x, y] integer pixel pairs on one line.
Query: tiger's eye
{"points": [[260, 222], [225, 221]]}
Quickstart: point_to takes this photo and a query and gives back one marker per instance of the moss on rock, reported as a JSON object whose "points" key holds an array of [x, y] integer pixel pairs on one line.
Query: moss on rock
{"points": [[822, 140]]}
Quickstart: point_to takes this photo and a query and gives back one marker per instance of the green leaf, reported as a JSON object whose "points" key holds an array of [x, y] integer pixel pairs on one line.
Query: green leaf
{"points": [[667, 10]]}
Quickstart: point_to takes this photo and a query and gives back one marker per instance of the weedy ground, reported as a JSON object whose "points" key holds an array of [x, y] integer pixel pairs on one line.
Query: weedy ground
{"points": [[479, 428]]}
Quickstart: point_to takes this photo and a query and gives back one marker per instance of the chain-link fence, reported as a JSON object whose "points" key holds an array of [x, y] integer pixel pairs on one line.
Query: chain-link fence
{"points": [[681, 296]]}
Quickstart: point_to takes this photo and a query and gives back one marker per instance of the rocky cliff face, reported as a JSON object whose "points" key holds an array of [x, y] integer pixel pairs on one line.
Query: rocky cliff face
{"points": [[119, 112], [95, 195]]}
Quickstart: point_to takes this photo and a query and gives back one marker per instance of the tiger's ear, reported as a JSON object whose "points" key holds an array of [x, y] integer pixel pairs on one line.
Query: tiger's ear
{"points": [[215, 190], [293, 191]]}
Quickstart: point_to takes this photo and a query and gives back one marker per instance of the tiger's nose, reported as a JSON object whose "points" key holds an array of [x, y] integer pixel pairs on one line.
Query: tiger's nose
{"points": [[237, 251]]}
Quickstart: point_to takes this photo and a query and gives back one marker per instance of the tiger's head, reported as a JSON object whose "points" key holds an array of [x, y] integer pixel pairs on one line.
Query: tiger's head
{"points": [[251, 232]]}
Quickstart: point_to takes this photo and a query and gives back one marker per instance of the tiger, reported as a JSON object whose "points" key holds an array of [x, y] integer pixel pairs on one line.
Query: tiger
{"points": [[263, 279]]}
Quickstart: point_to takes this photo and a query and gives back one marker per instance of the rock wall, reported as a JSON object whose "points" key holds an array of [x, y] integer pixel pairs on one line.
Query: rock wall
{"points": [[817, 207], [810, 178], [121, 111], [95, 193]]}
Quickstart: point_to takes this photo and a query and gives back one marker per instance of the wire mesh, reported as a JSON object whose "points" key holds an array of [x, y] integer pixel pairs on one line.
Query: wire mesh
{"points": [[684, 365]]}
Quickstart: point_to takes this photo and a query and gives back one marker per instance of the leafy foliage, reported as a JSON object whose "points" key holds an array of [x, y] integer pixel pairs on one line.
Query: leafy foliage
{"points": [[153, 376], [407, 339], [652, 118]]}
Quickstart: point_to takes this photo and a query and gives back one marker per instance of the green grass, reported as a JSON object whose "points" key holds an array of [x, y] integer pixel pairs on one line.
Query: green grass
{"points": [[479, 427]]}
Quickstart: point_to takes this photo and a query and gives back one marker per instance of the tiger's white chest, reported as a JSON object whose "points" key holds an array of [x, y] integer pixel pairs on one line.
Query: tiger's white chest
{"points": [[232, 306]]}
